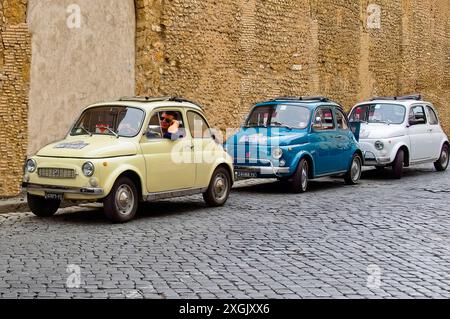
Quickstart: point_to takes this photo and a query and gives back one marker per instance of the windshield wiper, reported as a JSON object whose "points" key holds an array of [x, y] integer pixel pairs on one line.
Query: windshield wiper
{"points": [[84, 129], [379, 121], [275, 123]]}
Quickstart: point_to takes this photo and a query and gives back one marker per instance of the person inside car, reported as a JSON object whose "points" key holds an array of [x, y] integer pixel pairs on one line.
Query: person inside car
{"points": [[170, 125]]}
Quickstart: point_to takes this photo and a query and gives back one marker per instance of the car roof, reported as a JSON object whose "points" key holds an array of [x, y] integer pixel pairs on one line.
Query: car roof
{"points": [[307, 101], [151, 103], [406, 100]]}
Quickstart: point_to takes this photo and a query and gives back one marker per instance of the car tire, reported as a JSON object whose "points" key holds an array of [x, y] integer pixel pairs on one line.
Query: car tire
{"points": [[42, 207], [219, 188], [397, 165], [300, 179], [442, 163], [122, 202], [353, 174]]}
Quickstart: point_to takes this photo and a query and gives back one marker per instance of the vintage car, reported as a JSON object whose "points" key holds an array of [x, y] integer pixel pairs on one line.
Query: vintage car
{"points": [[400, 131], [132, 150], [296, 139]]}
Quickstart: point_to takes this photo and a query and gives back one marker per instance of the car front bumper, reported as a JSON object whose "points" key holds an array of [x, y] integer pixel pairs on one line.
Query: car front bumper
{"points": [[260, 171], [82, 191], [370, 159]]}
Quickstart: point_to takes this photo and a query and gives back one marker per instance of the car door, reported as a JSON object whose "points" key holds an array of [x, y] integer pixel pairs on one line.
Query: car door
{"points": [[205, 148], [323, 141], [344, 141], [435, 132], [168, 162], [419, 135]]}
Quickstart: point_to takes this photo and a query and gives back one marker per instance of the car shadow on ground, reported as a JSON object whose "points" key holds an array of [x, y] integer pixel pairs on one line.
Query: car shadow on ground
{"points": [[386, 173], [93, 213], [277, 187]]}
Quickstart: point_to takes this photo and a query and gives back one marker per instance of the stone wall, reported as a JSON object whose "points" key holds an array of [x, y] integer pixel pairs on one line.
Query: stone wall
{"points": [[229, 54], [15, 54]]}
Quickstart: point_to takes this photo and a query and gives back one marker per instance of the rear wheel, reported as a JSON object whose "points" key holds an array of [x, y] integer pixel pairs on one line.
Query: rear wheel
{"points": [[442, 163], [219, 188], [353, 175], [397, 165], [122, 202], [42, 207], [299, 182]]}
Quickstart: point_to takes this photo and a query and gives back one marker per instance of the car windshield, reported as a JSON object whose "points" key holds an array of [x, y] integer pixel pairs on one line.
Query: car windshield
{"points": [[378, 113], [282, 115], [109, 120]]}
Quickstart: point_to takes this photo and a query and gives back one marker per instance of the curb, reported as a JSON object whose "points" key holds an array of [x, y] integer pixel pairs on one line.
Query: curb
{"points": [[20, 205]]}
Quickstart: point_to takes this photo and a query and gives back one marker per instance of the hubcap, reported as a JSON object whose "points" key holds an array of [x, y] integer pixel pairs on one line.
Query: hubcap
{"points": [[124, 199], [355, 170], [304, 176], [220, 187], [444, 158]]}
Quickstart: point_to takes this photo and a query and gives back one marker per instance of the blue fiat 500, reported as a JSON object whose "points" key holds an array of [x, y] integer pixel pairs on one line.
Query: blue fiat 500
{"points": [[296, 139]]}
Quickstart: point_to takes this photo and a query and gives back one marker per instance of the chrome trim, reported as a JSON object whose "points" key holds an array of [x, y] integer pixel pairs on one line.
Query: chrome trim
{"points": [[57, 173], [375, 160], [63, 189], [171, 194], [263, 170]]}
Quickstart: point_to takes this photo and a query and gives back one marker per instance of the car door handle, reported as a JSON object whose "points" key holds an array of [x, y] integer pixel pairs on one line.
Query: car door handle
{"points": [[339, 137]]}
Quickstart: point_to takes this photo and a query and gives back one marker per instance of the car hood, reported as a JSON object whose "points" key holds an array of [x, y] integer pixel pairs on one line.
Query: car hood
{"points": [[95, 146], [380, 130], [272, 136]]}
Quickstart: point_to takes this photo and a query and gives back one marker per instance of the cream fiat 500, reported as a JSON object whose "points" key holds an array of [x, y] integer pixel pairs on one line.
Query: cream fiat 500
{"points": [[132, 150]]}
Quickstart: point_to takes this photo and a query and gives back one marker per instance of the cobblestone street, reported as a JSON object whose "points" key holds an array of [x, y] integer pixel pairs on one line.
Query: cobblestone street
{"points": [[381, 239]]}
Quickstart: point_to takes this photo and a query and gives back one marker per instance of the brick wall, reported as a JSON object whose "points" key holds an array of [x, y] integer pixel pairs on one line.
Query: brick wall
{"points": [[15, 54]]}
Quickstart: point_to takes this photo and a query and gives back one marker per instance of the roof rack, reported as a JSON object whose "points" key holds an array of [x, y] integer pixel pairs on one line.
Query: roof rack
{"points": [[157, 99], [416, 97], [303, 98], [145, 98]]}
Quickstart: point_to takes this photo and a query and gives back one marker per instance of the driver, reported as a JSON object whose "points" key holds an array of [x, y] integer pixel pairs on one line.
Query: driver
{"points": [[169, 125]]}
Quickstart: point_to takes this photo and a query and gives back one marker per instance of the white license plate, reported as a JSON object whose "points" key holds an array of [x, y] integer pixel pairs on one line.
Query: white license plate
{"points": [[246, 174], [54, 196]]}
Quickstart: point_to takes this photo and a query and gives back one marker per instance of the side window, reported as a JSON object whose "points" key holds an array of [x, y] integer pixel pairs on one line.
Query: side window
{"points": [[198, 126], [154, 127], [166, 124], [341, 121], [417, 115], [323, 120], [432, 117]]}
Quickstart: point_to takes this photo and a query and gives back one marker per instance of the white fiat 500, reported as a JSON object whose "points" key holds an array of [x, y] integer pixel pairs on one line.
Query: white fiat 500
{"points": [[399, 132]]}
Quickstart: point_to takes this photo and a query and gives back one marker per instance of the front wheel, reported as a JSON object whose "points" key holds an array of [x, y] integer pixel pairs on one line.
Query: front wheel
{"points": [[122, 202], [353, 175], [42, 207], [219, 188], [397, 165], [442, 163], [299, 182]]}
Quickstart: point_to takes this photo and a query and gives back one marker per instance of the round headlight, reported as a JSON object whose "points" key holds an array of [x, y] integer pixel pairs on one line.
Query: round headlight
{"points": [[277, 153], [88, 169], [31, 166], [379, 145]]}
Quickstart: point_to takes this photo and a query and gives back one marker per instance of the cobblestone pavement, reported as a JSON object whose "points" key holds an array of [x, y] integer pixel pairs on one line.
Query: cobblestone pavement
{"points": [[382, 238]]}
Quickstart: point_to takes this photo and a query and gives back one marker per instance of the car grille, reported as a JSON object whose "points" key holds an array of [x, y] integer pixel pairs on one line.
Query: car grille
{"points": [[58, 173]]}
